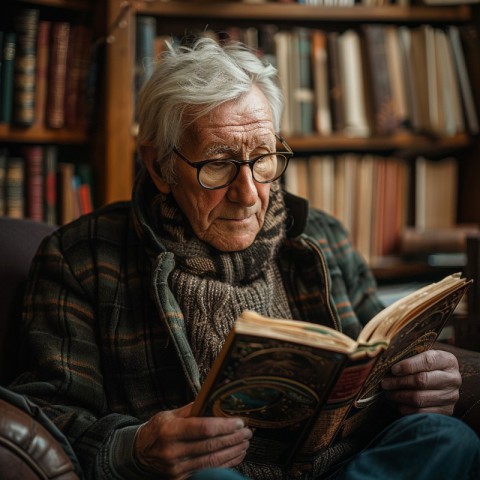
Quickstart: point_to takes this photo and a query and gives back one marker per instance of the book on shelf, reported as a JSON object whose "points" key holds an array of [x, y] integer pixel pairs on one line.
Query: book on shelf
{"points": [[464, 80], [322, 114], [386, 119], [301, 385], [436, 188], [34, 179], [352, 73], [78, 65], [3, 173], [50, 184], [57, 74], [26, 27], [397, 74], [15, 187], [421, 242], [41, 74], [6, 79]]}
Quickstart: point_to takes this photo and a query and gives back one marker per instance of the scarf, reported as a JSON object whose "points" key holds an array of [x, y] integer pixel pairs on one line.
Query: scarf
{"points": [[214, 287]]}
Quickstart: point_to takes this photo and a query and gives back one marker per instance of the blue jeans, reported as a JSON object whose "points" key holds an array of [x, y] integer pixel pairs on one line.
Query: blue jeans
{"points": [[420, 447]]}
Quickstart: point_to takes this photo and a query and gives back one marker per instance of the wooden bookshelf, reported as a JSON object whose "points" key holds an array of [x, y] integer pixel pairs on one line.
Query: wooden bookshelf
{"points": [[39, 134], [119, 142]]}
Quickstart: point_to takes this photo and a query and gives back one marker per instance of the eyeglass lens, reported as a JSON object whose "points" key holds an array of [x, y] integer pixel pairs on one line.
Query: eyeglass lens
{"points": [[265, 169]]}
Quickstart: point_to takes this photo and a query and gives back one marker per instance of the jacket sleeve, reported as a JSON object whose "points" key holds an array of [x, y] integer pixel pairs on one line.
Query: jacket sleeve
{"points": [[64, 374]]}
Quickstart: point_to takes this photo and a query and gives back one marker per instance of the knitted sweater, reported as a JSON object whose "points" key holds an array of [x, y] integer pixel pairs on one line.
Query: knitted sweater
{"points": [[106, 341]]}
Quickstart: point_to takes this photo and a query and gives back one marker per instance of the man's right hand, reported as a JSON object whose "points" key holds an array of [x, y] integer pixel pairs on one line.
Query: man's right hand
{"points": [[175, 445]]}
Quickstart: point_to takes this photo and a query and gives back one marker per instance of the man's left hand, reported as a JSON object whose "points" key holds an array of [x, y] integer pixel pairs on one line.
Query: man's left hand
{"points": [[428, 382]]}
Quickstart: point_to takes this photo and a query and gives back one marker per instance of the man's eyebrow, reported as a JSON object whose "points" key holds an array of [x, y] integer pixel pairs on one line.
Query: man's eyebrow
{"points": [[220, 148]]}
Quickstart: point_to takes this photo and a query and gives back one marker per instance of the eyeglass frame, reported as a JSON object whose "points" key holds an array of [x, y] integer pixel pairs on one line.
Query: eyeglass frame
{"points": [[238, 163]]}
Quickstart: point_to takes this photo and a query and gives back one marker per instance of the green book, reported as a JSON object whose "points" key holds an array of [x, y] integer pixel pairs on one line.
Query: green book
{"points": [[6, 80]]}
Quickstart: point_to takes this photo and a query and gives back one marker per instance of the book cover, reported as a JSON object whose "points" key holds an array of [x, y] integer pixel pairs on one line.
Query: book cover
{"points": [[6, 80], [26, 27], [57, 71], [297, 384]]}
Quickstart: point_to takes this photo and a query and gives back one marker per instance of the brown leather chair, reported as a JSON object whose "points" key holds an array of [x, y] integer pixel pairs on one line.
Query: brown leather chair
{"points": [[31, 447]]}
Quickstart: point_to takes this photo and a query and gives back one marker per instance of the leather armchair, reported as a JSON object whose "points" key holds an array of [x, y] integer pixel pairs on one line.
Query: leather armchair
{"points": [[31, 447]]}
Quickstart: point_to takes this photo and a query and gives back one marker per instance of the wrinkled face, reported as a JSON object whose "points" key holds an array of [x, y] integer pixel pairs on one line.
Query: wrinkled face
{"points": [[229, 218]]}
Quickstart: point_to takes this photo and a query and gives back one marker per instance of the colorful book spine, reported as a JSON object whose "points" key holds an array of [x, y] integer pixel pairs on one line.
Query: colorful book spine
{"points": [[6, 81], [26, 26], [55, 113]]}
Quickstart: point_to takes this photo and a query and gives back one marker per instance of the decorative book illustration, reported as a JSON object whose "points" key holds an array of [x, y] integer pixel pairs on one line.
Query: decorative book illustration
{"points": [[300, 385]]}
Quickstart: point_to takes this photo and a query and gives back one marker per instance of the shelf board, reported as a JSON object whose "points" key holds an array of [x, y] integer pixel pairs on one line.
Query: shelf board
{"points": [[80, 5], [401, 143], [38, 134], [304, 13]]}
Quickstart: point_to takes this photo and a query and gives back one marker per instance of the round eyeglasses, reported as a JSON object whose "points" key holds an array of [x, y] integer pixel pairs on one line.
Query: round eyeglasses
{"points": [[266, 168]]}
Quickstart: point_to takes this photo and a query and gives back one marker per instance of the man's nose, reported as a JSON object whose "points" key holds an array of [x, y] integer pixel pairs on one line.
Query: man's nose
{"points": [[244, 188]]}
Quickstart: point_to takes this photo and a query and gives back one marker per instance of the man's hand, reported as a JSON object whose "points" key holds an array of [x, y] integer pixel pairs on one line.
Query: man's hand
{"points": [[175, 445], [425, 383]]}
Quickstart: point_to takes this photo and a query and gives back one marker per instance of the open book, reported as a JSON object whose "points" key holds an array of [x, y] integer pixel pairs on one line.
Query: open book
{"points": [[300, 385]]}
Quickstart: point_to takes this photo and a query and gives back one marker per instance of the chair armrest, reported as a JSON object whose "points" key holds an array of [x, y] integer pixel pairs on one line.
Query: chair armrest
{"points": [[468, 405], [28, 450]]}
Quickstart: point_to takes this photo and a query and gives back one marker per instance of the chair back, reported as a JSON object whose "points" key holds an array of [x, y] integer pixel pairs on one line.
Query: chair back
{"points": [[19, 240]]}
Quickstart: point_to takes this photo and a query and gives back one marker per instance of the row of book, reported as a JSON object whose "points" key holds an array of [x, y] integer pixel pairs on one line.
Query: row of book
{"points": [[372, 80], [375, 80], [376, 197], [35, 183], [45, 71]]}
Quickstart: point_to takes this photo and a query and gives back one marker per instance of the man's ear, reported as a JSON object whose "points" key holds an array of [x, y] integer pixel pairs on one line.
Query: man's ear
{"points": [[149, 158]]}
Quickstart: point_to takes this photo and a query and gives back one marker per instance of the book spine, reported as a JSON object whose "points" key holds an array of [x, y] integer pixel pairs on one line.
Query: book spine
{"points": [[146, 27], [50, 184], [55, 114], [77, 71], [33, 155], [8, 65], [385, 120], [41, 75], [14, 187], [26, 26], [3, 173]]}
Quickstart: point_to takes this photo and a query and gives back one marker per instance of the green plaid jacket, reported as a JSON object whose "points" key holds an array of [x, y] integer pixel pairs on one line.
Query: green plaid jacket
{"points": [[105, 337]]}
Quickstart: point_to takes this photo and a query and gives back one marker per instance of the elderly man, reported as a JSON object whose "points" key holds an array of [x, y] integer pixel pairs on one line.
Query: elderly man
{"points": [[128, 307]]}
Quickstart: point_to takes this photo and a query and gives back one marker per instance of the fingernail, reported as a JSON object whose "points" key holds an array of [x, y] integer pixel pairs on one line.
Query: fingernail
{"points": [[239, 424]]}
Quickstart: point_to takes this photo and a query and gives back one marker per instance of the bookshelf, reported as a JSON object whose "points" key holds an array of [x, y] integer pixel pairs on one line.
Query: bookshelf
{"points": [[39, 138], [119, 148]]}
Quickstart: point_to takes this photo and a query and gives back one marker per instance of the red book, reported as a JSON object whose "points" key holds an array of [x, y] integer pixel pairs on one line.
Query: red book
{"points": [[34, 181]]}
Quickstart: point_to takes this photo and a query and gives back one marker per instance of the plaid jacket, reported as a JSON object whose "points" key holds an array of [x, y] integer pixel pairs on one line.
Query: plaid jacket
{"points": [[105, 337]]}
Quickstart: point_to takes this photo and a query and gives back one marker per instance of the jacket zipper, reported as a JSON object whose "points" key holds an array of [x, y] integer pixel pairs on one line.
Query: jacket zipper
{"points": [[323, 262]]}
